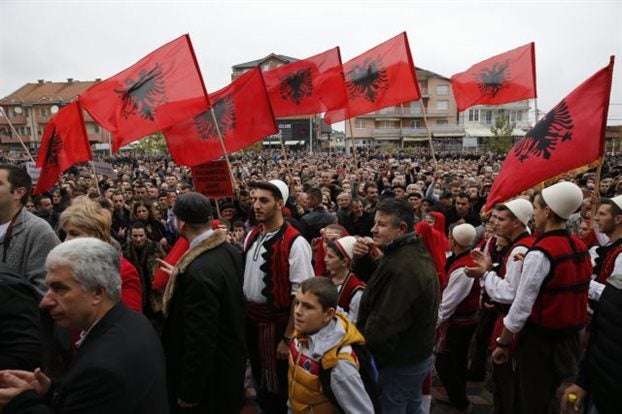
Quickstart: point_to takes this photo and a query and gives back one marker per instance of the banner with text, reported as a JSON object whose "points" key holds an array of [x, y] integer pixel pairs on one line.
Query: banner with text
{"points": [[213, 179]]}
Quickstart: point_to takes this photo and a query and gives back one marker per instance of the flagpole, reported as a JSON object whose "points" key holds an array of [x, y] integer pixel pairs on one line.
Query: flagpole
{"points": [[535, 106], [353, 143], [222, 145], [17, 135], [425, 121], [596, 202], [220, 138], [310, 135], [99, 191], [218, 209]]}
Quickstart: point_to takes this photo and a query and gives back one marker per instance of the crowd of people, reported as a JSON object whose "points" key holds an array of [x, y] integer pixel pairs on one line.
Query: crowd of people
{"points": [[326, 284]]}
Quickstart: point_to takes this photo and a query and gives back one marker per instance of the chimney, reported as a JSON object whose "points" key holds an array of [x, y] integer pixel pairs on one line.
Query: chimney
{"points": [[40, 81], [69, 80]]}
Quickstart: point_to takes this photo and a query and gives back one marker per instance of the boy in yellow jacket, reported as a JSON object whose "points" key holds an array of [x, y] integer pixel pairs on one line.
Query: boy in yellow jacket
{"points": [[322, 341]]}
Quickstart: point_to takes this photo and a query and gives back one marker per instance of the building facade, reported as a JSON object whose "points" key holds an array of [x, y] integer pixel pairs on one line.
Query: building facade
{"points": [[479, 120], [404, 125], [30, 108]]}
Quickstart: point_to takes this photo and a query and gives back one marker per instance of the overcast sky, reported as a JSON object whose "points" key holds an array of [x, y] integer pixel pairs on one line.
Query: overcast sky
{"points": [[85, 40]]}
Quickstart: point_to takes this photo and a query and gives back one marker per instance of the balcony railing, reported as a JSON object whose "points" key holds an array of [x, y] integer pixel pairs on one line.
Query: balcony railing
{"points": [[396, 133], [15, 119]]}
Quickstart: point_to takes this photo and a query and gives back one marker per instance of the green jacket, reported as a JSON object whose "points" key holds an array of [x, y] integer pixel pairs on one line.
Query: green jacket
{"points": [[399, 307]]}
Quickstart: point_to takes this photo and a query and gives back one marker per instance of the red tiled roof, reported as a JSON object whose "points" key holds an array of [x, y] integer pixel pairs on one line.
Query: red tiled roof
{"points": [[46, 92]]}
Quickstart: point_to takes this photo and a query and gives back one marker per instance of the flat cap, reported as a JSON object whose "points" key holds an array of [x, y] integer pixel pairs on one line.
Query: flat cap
{"points": [[194, 208]]}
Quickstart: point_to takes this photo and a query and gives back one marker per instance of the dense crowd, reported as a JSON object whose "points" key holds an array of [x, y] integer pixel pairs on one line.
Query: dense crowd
{"points": [[326, 284]]}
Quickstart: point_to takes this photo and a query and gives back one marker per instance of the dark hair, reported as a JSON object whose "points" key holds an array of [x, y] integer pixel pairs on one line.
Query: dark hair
{"points": [[370, 185], [615, 210], [462, 194], [399, 186], [139, 225], [142, 203], [18, 177], [399, 209], [315, 194], [276, 193], [323, 289]]}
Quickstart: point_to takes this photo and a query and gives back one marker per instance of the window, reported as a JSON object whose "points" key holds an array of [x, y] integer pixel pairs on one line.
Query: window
{"points": [[519, 115], [512, 116], [442, 122], [488, 117], [412, 123], [473, 115], [442, 105], [442, 90], [387, 124], [359, 123], [96, 128]]}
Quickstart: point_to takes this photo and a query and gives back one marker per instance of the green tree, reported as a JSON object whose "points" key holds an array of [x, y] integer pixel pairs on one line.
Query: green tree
{"points": [[153, 144], [501, 141]]}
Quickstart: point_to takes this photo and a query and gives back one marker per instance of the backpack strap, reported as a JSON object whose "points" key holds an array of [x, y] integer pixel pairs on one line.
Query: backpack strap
{"points": [[345, 353]]}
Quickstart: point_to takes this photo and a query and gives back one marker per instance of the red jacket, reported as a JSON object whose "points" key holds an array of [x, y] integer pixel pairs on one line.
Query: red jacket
{"points": [[607, 260], [131, 287], [436, 243], [561, 304]]}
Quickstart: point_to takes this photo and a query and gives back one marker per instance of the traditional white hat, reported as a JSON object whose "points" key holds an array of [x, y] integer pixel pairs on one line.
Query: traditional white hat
{"points": [[564, 198], [617, 201], [521, 208], [346, 246], [464, 234], [283, 189]]}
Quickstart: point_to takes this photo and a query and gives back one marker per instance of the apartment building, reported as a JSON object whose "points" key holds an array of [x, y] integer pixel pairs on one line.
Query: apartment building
{"points": [[404, 125], [31, 106]]}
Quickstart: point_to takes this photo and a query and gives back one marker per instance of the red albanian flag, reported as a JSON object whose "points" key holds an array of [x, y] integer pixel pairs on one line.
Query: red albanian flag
{"points": [[64, 143], [570, 136], [163, 88], [382, 76], [244, 117], [308, 86], [508, 77]]}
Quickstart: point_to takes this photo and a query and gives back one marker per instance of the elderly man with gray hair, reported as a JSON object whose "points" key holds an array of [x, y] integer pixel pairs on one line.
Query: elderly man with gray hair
{"points": [[119, 365]]}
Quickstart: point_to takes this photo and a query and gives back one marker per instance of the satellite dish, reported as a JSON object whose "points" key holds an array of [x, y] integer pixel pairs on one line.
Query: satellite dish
{"points": [[54, 109], [18, 110]]}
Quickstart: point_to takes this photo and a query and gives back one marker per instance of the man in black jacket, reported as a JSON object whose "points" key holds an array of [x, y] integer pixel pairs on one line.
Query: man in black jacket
{"points": [[20, 323], [399, 308], [119, 365], [600, 371], [203, 333]]}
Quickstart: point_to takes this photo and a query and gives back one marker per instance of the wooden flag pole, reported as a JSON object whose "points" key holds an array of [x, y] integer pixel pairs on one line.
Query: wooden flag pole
{"points": [[425, 122], [222, 145], [218, 208], [596, 202], [220, 137], [353, 142], [99, 191], [17, 135]]}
